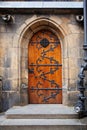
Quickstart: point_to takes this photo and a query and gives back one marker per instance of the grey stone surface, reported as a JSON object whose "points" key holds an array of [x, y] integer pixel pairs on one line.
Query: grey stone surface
{"points": [[0, 101], [43, 128], [42, 124], [41, 111], [2, 117], [8, 99], [6, 84], [14, 57], [5, 101]]}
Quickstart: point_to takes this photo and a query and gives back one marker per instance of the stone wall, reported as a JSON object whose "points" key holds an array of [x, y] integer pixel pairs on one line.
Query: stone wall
{"points": [[14, 55], [10, 94]]}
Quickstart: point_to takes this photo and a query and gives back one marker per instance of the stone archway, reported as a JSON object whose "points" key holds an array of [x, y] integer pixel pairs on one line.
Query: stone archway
{"points": [[23, 36]]}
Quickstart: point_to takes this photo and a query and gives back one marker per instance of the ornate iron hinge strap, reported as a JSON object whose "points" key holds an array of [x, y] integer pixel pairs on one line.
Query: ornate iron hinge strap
{"points": [[33, 88], [45, 65]]}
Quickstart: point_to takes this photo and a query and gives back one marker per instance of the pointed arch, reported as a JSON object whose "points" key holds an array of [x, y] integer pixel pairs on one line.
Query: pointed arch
{"points": [[23, 36]]}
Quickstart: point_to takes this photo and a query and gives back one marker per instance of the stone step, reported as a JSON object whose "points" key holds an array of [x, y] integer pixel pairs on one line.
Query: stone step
{"points": [[42, 116], [42, 124], [41, 112]]}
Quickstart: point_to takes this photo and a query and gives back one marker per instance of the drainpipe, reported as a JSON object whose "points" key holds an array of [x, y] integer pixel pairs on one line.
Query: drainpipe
{"points": [[80, 105]]}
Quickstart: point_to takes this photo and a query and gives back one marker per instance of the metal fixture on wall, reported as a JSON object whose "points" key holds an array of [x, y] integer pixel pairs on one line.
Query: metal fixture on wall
{"points": [[80, 106], [1, 83], [79, 18], [7, 18]]}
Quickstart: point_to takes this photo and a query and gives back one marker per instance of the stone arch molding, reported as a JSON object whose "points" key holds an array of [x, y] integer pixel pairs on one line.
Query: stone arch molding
{"points": [[34, 24], [24, 34]]}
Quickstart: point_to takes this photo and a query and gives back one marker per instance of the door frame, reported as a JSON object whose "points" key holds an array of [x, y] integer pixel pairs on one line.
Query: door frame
{"points": [[23, 37]]}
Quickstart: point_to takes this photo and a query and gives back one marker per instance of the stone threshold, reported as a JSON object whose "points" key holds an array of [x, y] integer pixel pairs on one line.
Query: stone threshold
{"points": [[41, 111]]}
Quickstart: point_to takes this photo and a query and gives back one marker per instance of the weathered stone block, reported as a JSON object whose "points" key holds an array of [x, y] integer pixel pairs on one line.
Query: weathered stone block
{"points": [[13, 74], [5, 54], [5, 101], [64, 47], [65, 97], [65, 83], [20, 19], [7, 73], [0, 101], [24, 63], [27, 36], [66, 63], [6, 85], [64, 19], [74, 62], [24, 73], [14, 98], [73, 73], [3, 51], [25, 41], [66, 73], [67, 31], [74, 52], [24, 52], [71, 19], [74, 28], [6, 39], [80, 62], [7, 62], [25, 81], [15, 85], [24, 96], [20, 29], [75, 41], [14, 58], [2, 28], [11, 27], [72, 97], [1, 71], [15, 43], [72, 85], [1, 62], [9, 99], [36, 25], [30, 19]]}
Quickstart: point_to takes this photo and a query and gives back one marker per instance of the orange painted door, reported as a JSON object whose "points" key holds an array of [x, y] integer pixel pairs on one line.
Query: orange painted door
{"points": [[45, 69]]}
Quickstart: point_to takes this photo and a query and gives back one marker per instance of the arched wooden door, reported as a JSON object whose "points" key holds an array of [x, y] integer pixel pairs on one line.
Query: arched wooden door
{"points": [[45, 69]]}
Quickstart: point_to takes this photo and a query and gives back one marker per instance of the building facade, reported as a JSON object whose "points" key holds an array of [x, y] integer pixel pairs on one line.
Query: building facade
{"points": [[41, 53]]}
